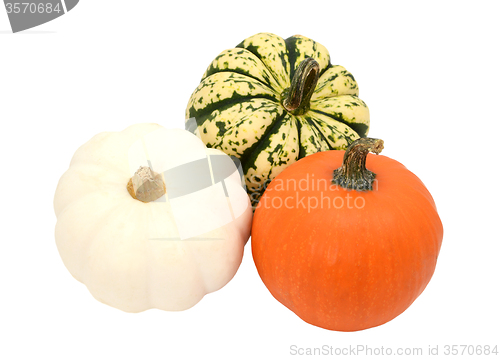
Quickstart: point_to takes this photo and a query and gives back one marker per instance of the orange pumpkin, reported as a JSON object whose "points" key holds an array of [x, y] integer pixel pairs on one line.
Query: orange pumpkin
{"points": [[344, 245]]}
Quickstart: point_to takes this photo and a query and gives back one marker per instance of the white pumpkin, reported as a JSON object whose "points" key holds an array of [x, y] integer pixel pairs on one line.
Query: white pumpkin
{"points": [[167, 253]]}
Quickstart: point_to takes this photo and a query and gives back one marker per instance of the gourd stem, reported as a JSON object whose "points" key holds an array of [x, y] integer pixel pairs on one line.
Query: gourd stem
{"points": [[296, 99], [353, 173], [146, 185]]}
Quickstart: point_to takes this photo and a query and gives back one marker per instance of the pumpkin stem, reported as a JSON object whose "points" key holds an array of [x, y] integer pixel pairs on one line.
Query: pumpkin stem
{"points": [[146, 185], [353, 173], [296, 98]]}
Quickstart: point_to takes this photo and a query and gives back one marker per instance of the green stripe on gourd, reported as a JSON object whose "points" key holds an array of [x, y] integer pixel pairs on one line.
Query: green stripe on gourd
{"points": [[270, 102], [335, 81], [273, 53]]}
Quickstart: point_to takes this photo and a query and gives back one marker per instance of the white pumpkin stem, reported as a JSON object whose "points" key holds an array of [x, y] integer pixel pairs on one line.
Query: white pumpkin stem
{"points": [[146, 185], [353, 173]]}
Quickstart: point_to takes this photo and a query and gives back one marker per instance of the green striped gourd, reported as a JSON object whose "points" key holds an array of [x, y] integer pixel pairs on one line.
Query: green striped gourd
{"points": [[270, 102]]}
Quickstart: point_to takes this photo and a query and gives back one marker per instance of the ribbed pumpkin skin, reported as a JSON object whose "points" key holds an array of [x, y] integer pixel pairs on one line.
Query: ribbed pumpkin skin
{"points": [[237, 107], [346, 269]]}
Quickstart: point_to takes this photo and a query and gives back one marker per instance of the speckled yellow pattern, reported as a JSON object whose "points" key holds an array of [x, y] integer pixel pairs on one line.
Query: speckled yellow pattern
{"points": [[335, 81], [237, 107], [272, 52]]}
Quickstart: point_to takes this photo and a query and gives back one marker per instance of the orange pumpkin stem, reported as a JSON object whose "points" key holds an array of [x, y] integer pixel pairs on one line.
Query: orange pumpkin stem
{"points": [[353, 173], [297, 97]]}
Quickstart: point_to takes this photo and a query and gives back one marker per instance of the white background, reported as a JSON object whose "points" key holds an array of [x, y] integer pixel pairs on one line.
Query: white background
{"points": [[429, 72]]}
